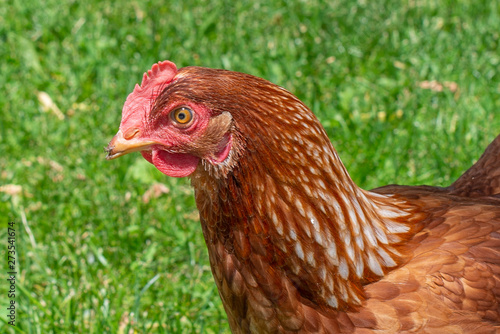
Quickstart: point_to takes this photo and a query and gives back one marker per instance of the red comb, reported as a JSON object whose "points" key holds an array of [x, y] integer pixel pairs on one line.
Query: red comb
{"points": [[160, 73], [158, 76]]}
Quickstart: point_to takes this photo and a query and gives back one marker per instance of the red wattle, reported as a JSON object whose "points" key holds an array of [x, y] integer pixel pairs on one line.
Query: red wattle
{"points": [[172, 164]]}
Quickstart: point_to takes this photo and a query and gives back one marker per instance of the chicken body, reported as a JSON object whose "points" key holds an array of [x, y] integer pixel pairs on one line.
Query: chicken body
{"points": [[294, 245]]}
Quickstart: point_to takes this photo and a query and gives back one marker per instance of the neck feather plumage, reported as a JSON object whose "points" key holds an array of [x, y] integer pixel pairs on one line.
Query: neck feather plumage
{"points": [[289, 210]]}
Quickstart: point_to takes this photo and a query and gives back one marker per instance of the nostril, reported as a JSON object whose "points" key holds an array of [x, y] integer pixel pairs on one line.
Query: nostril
{"points": [[131, 133]]}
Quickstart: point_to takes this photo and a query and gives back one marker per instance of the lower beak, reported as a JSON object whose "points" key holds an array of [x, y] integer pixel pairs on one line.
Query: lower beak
{"points": [[119, 146]]}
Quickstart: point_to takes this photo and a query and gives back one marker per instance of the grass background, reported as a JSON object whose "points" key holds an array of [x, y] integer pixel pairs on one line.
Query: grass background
{"points": [[407, 90]]}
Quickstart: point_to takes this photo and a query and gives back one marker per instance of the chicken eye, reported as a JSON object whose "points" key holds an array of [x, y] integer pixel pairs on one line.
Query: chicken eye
{"points": [[182, 115]]}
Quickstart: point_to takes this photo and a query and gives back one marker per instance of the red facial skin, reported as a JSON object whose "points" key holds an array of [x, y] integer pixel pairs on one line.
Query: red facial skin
{"points": [[173, 139], [171, 150]]}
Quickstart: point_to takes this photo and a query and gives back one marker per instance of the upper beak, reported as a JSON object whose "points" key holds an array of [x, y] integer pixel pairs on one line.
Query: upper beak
{"points": [[119, 146]]}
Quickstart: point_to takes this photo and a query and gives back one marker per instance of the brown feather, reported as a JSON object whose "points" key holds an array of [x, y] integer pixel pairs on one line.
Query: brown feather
{"points": [[482, 179]]}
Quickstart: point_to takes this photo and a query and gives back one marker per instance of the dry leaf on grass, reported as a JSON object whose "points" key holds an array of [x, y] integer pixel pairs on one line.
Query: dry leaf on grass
{"points": [[155, 191], [11, 189], [49, 105], [437, 86]]}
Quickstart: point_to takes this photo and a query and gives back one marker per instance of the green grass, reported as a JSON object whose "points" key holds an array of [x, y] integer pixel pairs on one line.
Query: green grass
{"points": [[94, 257]]}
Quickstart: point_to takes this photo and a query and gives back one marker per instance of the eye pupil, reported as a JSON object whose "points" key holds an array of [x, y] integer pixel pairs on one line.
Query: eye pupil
{"points": [[182, 116]]}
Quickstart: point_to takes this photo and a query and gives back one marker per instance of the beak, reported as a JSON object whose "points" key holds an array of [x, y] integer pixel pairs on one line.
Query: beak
{"points": [[119, 146]]}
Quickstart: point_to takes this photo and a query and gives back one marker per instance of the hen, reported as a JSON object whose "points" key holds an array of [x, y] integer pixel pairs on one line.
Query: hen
{"points": [[294, 245]]}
